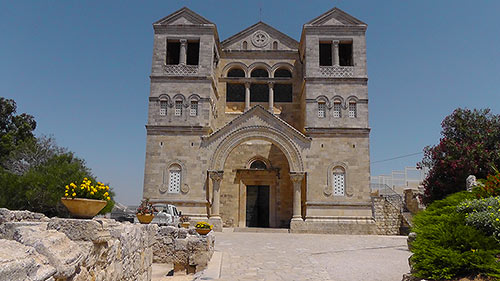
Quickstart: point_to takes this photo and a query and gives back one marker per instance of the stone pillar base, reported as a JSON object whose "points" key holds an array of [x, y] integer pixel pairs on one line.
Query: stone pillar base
{"points": [[216, 222]]}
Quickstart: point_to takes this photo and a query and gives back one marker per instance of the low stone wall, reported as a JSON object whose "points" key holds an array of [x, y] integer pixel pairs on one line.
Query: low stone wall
{"points": [[35, 247], [183, 247], [387, 216]]}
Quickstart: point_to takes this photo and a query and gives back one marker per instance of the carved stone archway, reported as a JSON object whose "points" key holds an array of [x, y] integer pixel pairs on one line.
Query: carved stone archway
{"points": [[237, 137], [256, 132]]}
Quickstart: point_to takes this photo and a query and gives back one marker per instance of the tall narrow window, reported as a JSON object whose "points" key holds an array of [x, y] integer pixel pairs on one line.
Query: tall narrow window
{"points": [[275, 45], [321, 109], [325, 54], [193, 53], [173, 52], [163, 107], [352, 110], [178, 108], [174, 179], [245, 45], [193, 111], [345, 54], [336, 110], [338, 182]]}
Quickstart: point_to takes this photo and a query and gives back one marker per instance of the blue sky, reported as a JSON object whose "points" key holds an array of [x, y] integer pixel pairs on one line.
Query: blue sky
{"points": [[81, 68]]}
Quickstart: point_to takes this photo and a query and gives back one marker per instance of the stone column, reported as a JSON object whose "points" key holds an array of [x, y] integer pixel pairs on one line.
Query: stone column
{"points": [[247, 96], [182, 55], [297, 178], [216, 177], [271, 97], [335, 52]]}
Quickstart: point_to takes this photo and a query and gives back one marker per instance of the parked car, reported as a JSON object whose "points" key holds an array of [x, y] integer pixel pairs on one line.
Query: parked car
{"points": [[167, 215], [122, 213]]}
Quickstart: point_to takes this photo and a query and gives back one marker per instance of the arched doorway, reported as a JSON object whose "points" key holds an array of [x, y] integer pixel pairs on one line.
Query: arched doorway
{"points": [[227, 174]]}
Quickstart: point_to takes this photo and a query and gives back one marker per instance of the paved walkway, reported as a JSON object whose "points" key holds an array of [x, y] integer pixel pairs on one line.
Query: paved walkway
{"points": [[283, 256]]}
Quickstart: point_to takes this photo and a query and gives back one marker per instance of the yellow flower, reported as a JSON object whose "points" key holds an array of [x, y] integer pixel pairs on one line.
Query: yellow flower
{"points": [[74, 194], [107, 187], [108, 198], [91, 193], [106, 194], [497, 219], [66, 194], [67, 186]]}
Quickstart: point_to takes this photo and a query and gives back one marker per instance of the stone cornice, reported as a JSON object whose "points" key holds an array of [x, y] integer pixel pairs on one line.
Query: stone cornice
{"points": [[260, 54], [174, 130], [339, 203], [179, 201], [333, 80], [337, 132], [171, 78], [334, 30]]}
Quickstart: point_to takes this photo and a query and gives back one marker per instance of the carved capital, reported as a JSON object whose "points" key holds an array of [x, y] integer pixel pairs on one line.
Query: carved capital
{"points": [[271, 84], [335, 42], [297, 176], [247, 85], [183, 41], [216, 176]]}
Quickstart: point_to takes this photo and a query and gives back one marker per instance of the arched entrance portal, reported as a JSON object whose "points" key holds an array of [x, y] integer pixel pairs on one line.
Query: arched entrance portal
{"points": [[245, 179]]}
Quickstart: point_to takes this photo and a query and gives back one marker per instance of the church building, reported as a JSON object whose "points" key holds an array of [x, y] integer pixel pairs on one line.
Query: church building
{"points": [[261, 130]]}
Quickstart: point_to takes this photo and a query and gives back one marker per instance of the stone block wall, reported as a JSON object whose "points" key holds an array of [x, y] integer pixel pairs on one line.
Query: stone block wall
{"points": [[387, 216], [35, 247], [186, 249]]}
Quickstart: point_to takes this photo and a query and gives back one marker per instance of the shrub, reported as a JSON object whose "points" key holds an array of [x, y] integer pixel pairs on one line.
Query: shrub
{"points": [[483, 214], [490, 186], [446, 247]]}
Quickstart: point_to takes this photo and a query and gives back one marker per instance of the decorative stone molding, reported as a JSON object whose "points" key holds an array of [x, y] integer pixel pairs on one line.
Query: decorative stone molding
{"points": [[297, 176], [285, 143], [337, 71], [260, 39], [216, 176], [329, 178], [180, 69]]}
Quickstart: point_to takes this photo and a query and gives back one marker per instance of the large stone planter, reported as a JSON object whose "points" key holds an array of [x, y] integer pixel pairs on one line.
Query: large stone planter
{"points": [[83, 208], [145, 219]]}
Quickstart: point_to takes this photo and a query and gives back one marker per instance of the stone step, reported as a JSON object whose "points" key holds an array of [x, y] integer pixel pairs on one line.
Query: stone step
{"points": [[261, 230]]}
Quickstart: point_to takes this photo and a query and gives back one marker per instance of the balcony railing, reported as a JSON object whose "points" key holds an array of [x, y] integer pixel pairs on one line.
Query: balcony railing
{"points": [[337, 71], [180, 69]]}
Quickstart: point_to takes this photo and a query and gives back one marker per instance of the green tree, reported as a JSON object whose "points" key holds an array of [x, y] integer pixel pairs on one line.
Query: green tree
{"points": [[470, 145], [14, 129]]}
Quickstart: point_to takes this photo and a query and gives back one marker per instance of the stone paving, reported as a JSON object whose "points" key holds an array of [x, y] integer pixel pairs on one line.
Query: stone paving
{"points": [[283, 256]]}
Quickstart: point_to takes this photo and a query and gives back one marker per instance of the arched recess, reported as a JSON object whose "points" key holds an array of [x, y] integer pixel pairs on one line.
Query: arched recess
{"points": [[232, 65], [256, 65], [284, 143], [282, 65]]}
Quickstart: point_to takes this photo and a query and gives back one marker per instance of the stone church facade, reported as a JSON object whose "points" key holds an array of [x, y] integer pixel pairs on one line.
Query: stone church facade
{"points": [[260, 130]]}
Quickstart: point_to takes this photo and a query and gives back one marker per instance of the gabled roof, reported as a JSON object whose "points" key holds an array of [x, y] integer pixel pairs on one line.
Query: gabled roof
{"points": [[263, 114], [184, 16], [336, 16], [292, 43]]}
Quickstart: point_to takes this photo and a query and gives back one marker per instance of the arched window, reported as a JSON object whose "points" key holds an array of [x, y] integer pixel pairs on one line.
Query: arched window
{"points": [[321, 109], [178, 108], [282, 72], [338, 181], [275, 45], [337, 109], [245, 45], [174, 178], [352, 109], [258, 165], [163, 107], [236, 72], [193, 110], [259, 72]]}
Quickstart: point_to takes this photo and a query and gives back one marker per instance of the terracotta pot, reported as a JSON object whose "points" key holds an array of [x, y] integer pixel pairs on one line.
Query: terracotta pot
{"points": [[145, 219], [203, 231], [83, 208], [185, 224]]}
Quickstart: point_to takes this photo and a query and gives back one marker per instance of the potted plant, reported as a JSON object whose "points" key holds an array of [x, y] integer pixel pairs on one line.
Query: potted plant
{"points": [[85, 200], [145, 212], [203, 228], [184, 221]]}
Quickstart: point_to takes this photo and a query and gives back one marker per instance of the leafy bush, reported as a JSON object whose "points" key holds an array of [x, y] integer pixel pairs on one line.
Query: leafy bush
{"points": [[469, 146], [483, 214], [445, 247], [490, 186]]}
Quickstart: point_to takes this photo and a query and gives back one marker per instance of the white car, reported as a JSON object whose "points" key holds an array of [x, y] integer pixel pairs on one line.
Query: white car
{"points": [[167, 215]]}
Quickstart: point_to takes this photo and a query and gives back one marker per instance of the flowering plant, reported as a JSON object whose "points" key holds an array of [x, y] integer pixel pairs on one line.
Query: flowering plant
{"points": [[146, 208], [86, 190], [490, 186], [203, 225]]}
